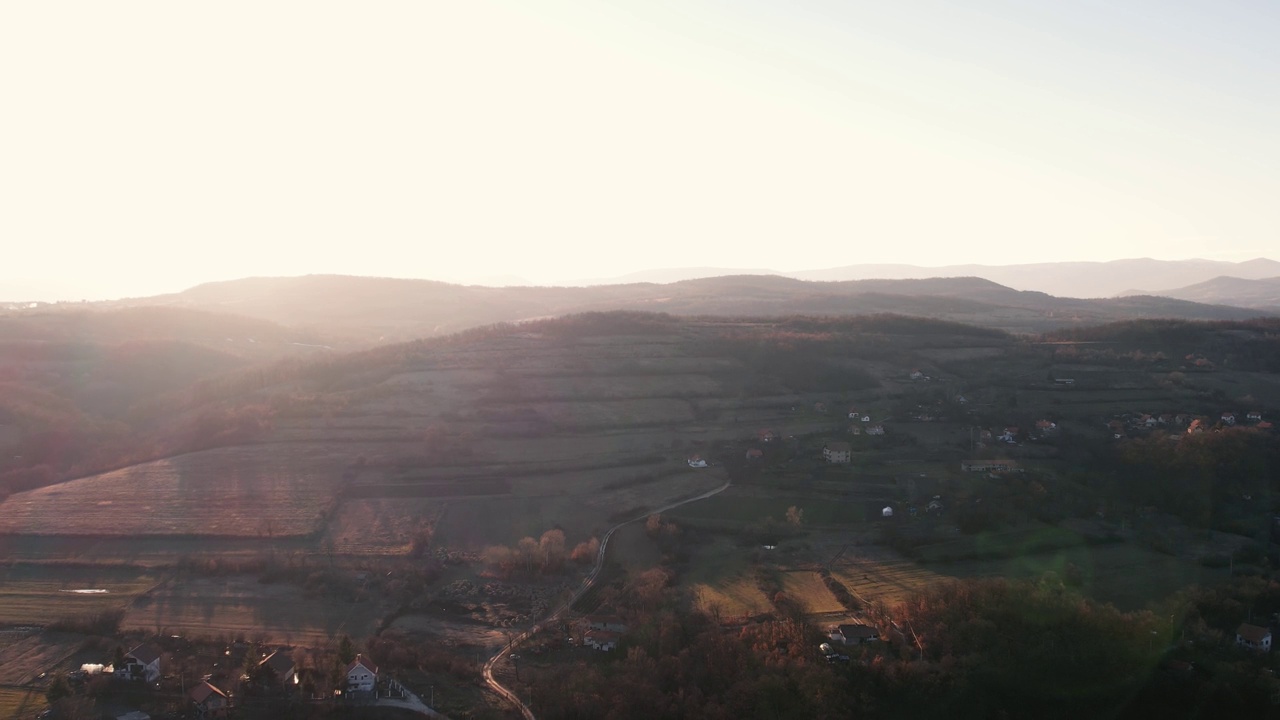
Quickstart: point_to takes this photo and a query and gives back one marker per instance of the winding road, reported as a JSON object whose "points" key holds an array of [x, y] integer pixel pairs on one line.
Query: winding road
{"points": [[586, 585]]}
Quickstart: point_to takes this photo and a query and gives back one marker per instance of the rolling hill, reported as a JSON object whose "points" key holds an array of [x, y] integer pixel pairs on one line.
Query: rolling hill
{"points": [[1263, 293]]}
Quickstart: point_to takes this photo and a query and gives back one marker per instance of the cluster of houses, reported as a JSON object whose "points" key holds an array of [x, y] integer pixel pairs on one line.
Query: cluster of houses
{"points": [[1122, 425], [277, 669], [1013, 434], [862, 424]]}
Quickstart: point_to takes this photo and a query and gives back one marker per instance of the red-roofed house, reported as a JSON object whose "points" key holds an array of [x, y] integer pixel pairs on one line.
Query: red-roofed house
{"points": [[1253, 637], [362, 675], [209, 701]]}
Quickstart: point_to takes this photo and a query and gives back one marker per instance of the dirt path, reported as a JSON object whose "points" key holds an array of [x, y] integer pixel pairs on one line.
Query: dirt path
{"points": [[586, 585]]}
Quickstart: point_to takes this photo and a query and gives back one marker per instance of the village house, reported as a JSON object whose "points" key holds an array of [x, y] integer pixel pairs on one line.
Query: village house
{"points": [[141, 663], [208, 701], [696, 461], [1010, 435], [1254, 416], [837, 452], [1196, 427], [1046, 427], [766, 435], [362, 675], [1253, 637], [854, 634], [282, 668], [611, 623], [875, 430], [1229, 418], [855, 429], [917, 375], [602, 640], [755, 454]]}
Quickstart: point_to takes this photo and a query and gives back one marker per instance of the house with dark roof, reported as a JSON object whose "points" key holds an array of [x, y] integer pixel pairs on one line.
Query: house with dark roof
{"points": [[281, 667], [602, 640], [208, 701], [1253, 637], [854, 634], [141, 663]]}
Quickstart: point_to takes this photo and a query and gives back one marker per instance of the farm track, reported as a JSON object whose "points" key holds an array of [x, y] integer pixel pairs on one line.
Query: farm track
{"points": [[586, 585]]}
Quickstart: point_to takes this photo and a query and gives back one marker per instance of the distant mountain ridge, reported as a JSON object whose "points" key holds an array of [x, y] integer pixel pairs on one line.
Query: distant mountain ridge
{"points": [[1065, 279], [362, 311]]}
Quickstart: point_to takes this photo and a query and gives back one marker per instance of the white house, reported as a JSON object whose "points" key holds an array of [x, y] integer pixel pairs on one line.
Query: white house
{"points": [[875, 430], [837, 452], [362, 675], [887, 512], [141, 663], [1253, 637], [696, 461], [1254, 416]]}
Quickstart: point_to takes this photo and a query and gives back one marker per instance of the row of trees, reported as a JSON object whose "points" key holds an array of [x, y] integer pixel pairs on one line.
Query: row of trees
{"points": [[545, 555]]}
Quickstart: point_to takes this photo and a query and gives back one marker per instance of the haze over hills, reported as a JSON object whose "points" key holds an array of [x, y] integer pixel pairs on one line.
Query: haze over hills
{"points": [[360, 311]]}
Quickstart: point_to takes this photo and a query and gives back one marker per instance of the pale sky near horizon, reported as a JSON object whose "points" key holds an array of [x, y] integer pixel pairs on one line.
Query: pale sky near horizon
{"points": [[146, 147]]}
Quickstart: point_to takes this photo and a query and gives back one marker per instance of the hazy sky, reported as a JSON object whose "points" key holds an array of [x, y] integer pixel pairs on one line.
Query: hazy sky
{"points": [[147, 147]]}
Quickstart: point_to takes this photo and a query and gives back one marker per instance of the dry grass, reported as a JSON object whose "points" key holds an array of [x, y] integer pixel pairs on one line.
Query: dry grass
{"points": [[720, 576], [23, 656], [242, 606], [806, 588], [278, 490], [15, 703], [881, 576]]}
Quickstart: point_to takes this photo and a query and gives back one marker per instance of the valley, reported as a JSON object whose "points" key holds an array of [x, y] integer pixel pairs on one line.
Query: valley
{"points": [[446, 493]]}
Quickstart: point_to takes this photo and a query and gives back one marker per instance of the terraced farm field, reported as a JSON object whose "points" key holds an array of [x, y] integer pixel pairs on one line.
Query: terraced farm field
{"points": [[254, 491], [33, 594], [240, 606]]}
